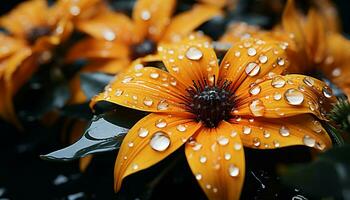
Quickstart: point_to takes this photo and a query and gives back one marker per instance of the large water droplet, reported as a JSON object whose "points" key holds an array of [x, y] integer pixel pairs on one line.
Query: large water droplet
{"points": [[255, 90], [266, 134], [181, 128], [284, 131], [143, 132], [317, 127], [193, 53], [263, 59], [278, 82], [227, 156], [154, 75], [294, 97], [257, 107], [222, 140], [160, 141], [309, 141], [251, 52], [233, 170], [202, 159], [252, 69], [309, 81], [327, 92], [198, 176], [145, 15], [163, 105], [280, 61], [247, 130], [147, 101], [277, 96], [161, 123]]}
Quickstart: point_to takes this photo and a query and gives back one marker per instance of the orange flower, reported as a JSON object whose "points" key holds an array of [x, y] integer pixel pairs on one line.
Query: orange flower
{"points": [[34, 30], [117, 39], [215, 110]]}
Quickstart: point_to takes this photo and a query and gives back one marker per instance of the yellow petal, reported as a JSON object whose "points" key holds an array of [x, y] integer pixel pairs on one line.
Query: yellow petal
{"points": [[190, 60], [186, 22], [216, 158], [145, 88], [263, 133], [151, 17], [151, 140], [284, 96]]}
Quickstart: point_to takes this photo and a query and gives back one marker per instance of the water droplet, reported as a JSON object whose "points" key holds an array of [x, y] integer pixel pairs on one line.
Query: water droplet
{"points": [[317, 127], [74, 10], [208, 186], [277, 96], [109, 35], [237, 54], [284, 131], [247, 130], [251, 52], [130, 144], [147, 101], [252, 69], [145, 15], [237, 146], [215, 190], [222, 140], [256, 142], [255, 90], [257, 107], [127, 79], [202, 159], [143, 132], [278, 82], [234, 133], [161, 123], [309, 81], [160, 141], [336, 72], [294, 97], [276, 143], [135, 166], [181, 128], [309, 141], [163, 105], [195, 145], [154, 75], [266, 134], [118, 92], [233, 170], [193, 53], [263, 59], [227, 156], [280, 61], [327, 92], [198, 176]]}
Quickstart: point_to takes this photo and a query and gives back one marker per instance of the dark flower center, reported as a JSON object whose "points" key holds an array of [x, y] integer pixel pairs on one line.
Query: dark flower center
{"points": [[37, 32], [142, 49], [211, 103]]}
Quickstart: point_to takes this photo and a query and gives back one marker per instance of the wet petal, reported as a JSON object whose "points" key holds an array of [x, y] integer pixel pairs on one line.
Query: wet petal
{"points": [[192, 59], [186, 22], [239, 30], [284, 96], [110, 26], [151, 140], [145, 88], [253, 59], [263, 133], [152, 16], [216, 158], [90, 48]]}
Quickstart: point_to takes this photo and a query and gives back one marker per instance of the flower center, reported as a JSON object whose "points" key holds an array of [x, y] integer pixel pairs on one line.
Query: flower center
{"points": [[142, 49], [37, 32], [211, 104]]}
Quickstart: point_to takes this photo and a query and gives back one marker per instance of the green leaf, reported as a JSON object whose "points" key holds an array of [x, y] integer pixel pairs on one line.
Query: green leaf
{"points": [[94, 83], [326, 177], [101, 135]]}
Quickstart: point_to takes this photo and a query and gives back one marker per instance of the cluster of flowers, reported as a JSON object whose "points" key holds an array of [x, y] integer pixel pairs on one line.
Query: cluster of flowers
{"points": [[257, 96]]}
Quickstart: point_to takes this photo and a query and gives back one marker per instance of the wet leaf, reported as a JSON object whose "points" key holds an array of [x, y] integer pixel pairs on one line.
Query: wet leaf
{"points": [[94, 83], [101, 135], [326, 177]]}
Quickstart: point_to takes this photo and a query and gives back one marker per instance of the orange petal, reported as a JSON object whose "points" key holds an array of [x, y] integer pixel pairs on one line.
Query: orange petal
{"points": [[329, 13], [252, 59], [152, 16], [284, 96], [263, 133], [90, 48], [238, 31], [186, 22], [192, 59], [149, 141], [10, 45], [110, 26], [25, 16], [217, 160], [85, 162], [145, 88], [221, 3]]}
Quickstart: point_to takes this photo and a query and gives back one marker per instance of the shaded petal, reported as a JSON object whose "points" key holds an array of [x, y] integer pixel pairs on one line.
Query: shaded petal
{"points": [[145, 88], [186, 22], [217, 160], [284, 96], [152, 16], [263, 133], [327, 9], [110, 26], [253, 59], [90, 48], [192, 59], [146, 144], [239, 30]]}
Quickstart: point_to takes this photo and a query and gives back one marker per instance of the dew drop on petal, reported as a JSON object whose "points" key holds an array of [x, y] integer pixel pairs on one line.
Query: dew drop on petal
{"points": [[309, 81], [257, 107], [193, 53], [284, 131], [276, 143], [234, 133], [277, 96], [294, 97], [147, 101], [227, 156], [127, 79], [317, 127], [145, 15], [327, 92], [118, 92], [280, 61], [143, 132], [233, 170], [135, 166], [309, 141], [251, 52], [266, 134], [160, 141], [256, 142], [202, 159], [336, 72], [161, 123], [263, 59], [198, 176], [278, 82], [255, 90], [130, 144], [247, 130], [109, 35], [181, 128], [252, 69], [162, 105], [222, 140], [237, 146], [154, 75]]}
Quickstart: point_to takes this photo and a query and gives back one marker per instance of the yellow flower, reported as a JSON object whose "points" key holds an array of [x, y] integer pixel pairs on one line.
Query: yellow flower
{"points": [[215, 111], [116, 39]]}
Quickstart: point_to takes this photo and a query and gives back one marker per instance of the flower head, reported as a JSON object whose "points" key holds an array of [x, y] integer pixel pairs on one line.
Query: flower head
{"points": [[214, 111]]}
